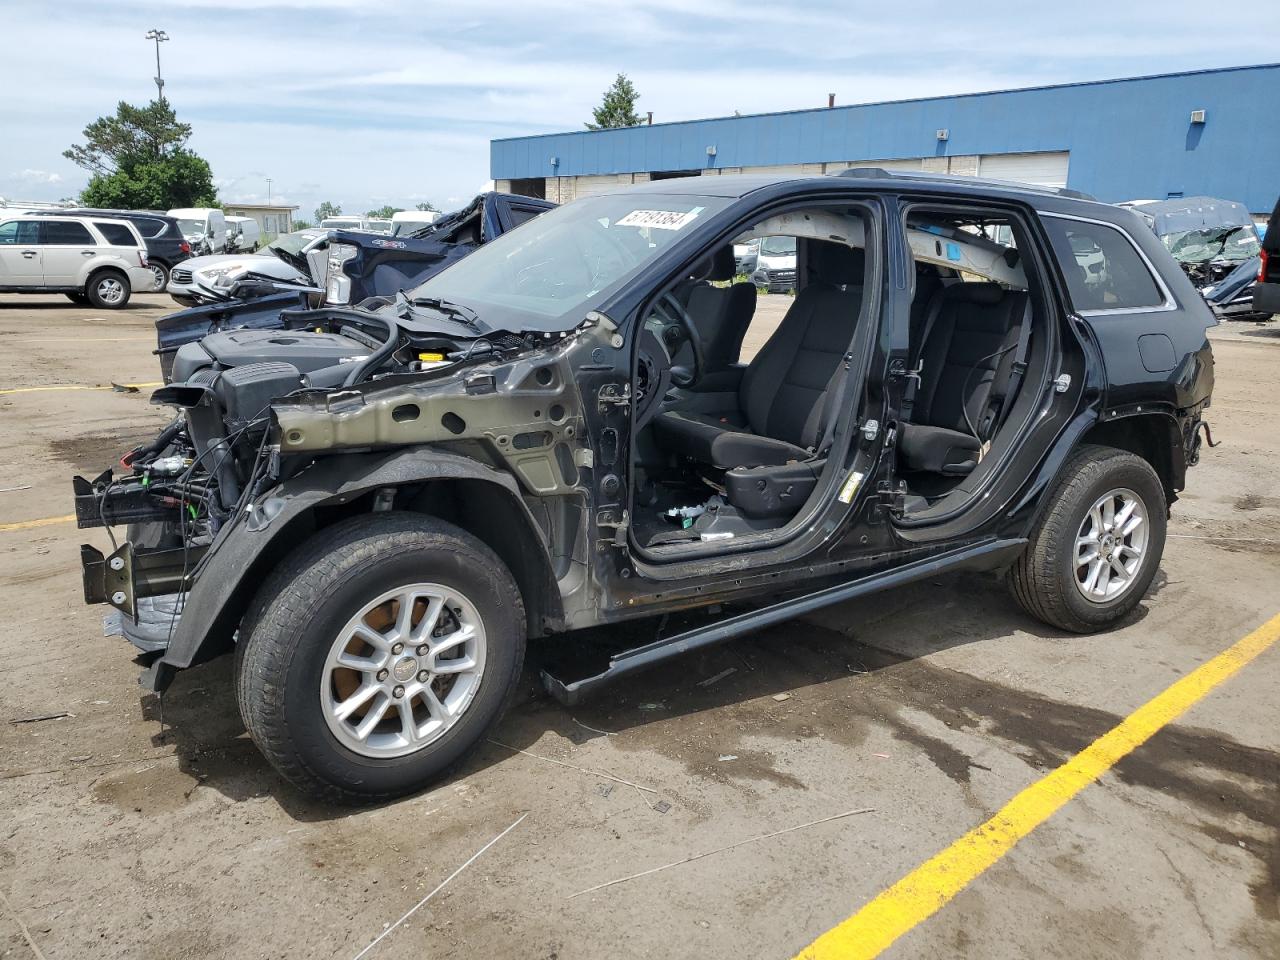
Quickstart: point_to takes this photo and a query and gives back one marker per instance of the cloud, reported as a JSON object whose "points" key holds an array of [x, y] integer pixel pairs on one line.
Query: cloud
{"points": [[400, 99], [38, 176]]}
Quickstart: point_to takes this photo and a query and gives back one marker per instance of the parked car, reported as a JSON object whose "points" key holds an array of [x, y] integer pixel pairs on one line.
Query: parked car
{"points": [[378, 225], [407, 222], [343, 223], [246, 235], [775, 269], [166, 246], [378, 508], [93, 260], [205, 228], [745, 257], [335, 267], [1266, 292]]}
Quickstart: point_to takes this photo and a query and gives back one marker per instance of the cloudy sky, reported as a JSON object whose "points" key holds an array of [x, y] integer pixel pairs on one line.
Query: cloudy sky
{"points": [[394, 102]]}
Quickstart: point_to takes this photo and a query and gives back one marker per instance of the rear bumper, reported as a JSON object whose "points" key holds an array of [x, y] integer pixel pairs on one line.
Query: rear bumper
{"points": [[141, 280]]}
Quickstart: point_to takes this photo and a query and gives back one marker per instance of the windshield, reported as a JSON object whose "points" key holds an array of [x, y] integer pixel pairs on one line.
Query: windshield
{"points": [[292, 243], [1233, 244], [778, 247], [190, 228], [549, 272], [401, 227]]}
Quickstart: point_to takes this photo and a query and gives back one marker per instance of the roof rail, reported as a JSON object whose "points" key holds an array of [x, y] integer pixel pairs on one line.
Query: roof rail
{"points": [[877, 173]]}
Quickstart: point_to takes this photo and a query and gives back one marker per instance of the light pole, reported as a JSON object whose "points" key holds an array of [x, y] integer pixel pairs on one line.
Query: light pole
{"points": [[268, 191], [159, 36]]}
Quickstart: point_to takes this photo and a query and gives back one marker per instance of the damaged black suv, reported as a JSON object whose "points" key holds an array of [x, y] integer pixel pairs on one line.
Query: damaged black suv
{"points": [[587, 421]]}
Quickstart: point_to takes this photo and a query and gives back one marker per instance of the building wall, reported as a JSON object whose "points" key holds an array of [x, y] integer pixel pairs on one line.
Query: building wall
{"points": [[1127, 139]]}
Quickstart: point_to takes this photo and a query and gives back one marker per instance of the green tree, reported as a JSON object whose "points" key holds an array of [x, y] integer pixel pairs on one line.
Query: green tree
{"points": [[180, 179], [302, 224], [618, 108], [426, 206], [328, 209], [383, 213], [138, 158]]}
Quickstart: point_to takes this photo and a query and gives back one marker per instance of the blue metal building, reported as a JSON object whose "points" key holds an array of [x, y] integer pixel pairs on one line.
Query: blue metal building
{"points": [[1207, 132]]}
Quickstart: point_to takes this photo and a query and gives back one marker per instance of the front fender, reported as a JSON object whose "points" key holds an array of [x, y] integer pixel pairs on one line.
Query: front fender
{"points": [[240, 560]]}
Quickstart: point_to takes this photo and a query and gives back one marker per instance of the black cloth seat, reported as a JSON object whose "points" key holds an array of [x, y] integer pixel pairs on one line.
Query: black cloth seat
{"points": [[782, 402], [721, 315], [967, 356]]}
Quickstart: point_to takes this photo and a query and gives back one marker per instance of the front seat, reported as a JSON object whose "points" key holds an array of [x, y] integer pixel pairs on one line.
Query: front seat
{"points": [[721, 315], [782, 401], [966, 359]]}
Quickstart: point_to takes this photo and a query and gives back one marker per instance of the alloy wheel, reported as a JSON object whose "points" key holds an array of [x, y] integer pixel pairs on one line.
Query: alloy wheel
{"points": [[403, 670], [110, 290], [1111, 546]]}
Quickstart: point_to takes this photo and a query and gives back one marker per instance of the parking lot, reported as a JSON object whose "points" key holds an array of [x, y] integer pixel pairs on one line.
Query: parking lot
{"points": [[763, 791]]}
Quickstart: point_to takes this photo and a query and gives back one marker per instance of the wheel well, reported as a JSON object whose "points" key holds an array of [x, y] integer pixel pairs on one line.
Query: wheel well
{"points": [[490, 514], [1153, 437], [99, 271]]}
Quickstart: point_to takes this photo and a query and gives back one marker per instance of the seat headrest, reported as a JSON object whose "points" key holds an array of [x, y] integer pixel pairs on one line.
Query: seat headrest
{"points": [[982, 292], [836, 264], [719, 265]]}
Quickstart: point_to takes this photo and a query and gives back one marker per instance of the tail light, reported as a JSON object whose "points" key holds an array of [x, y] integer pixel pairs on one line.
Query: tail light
{"points": [[1262, 267], [184, 247], [142, 258]]}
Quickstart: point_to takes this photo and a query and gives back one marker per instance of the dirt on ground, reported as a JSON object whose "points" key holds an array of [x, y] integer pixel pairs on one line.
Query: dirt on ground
{"points": [[140, 828]]}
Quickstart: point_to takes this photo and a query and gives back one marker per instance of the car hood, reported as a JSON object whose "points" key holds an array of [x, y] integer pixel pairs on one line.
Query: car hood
{"points": [[268, 265]]}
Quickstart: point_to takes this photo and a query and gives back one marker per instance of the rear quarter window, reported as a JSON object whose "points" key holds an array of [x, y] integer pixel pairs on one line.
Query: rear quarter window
{"points": [[1102, 267], [116, 234]]}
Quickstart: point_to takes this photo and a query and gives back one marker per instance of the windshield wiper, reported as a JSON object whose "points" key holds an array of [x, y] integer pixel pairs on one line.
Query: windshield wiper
{"points": [[451, 310]]}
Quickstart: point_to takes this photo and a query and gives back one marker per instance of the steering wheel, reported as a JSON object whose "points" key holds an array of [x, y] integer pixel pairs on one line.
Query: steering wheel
{"points": [[670, 308]]}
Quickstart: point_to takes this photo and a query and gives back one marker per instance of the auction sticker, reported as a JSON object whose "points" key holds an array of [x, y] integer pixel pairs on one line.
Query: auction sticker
{"points": [[660, 219]]}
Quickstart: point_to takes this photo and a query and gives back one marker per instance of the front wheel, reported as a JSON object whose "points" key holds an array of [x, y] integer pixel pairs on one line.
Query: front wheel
{"points": [[378, 655], [1093, 554]]}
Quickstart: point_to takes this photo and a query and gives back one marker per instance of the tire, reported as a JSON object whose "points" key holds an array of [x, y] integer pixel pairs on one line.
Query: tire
{"points": [[288, 686], [78, 298], [161, 273], [1054, 579], [108, 290]]}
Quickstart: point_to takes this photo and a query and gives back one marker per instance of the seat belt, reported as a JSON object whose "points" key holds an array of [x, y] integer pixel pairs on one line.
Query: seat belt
{"points": [[1017, 371], [913, 376]]}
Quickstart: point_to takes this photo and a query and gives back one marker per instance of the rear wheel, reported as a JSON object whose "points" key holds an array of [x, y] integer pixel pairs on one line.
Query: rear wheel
{"points": [[108, 290], [378, 655], [161, 273], [1095, 551]]}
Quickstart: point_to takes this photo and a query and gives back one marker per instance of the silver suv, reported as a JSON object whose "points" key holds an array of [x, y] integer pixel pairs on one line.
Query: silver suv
{"points": [[93, 260]]}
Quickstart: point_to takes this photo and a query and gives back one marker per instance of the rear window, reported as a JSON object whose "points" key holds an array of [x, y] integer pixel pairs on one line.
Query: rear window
{"points": [[1103, 268], [150, 228], [116, 234], [68, 233]]}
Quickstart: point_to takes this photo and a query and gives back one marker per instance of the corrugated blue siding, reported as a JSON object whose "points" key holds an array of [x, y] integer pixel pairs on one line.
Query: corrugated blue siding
{"points": [[1128, 138]]}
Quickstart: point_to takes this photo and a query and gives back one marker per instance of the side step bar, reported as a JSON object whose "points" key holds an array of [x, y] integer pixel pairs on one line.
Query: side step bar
{"points": [[989, 554]]}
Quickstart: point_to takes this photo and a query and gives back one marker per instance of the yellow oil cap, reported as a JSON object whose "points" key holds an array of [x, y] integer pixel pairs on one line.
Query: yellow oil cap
{"points": [[431, 357]]}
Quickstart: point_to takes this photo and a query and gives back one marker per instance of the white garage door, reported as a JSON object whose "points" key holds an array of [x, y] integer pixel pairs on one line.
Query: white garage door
{"points": [[1045, 169], [913, 164]]}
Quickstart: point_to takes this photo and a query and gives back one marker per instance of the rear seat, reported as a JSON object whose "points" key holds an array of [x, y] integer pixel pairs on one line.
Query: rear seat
{"points": [[963, 371]]}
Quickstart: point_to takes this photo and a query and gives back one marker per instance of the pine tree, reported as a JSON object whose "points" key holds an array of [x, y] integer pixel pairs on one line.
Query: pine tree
{"points": [[618, 108]]}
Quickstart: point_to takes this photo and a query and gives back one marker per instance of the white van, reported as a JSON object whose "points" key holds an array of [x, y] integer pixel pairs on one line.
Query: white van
{"points": [[204, 227], [410, 221], [245, 235], [343, 223]]}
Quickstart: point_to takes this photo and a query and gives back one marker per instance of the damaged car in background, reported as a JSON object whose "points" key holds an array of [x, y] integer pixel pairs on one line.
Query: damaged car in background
{"points": [[314, 266], [1216, 242], [376, 507]]}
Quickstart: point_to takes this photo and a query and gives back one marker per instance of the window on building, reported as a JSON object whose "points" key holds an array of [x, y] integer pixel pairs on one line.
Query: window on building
{"points": [[116, 234], [67, 233], [1103, 269]]}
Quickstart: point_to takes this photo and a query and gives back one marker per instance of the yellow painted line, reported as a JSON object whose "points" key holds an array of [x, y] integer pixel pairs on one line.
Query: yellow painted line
{"points": [[928, 888], [77, 386], [42, 522]]}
